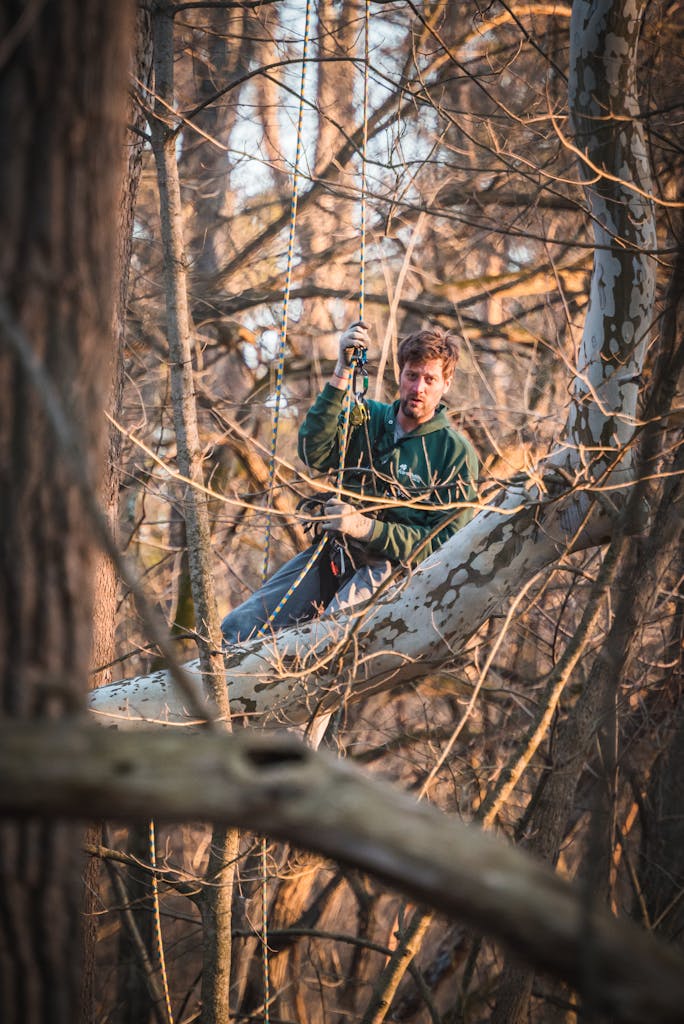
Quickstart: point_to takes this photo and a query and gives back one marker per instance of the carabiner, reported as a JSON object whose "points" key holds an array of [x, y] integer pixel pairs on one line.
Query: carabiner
{"points": [[358, 363]]}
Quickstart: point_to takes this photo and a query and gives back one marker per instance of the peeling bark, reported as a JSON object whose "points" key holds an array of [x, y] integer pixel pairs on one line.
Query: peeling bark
{"points": [[614, 164], [288, 678]]}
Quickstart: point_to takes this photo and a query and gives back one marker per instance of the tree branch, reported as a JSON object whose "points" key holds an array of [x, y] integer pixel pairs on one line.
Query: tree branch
{"points": [[275, 784]]}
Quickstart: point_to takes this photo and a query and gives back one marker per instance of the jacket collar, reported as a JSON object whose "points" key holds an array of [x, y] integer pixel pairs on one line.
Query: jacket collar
{"points": [[438, 422]]}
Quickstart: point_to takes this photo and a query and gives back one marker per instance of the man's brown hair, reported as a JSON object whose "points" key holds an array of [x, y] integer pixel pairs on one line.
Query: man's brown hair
{"points": [[431, 343]]}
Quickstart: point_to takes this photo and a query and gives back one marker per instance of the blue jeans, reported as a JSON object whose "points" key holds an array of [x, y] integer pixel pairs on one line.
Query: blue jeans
{"points": [[309, 599]]}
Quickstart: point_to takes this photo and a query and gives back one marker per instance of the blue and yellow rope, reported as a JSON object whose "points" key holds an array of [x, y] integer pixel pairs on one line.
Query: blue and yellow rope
{"points": [[280, 365], [348, 398], [364, 148]]}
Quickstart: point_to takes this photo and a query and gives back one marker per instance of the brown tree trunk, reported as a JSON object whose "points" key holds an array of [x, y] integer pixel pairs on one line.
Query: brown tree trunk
{"points": [[106, 580], [62, 99]]}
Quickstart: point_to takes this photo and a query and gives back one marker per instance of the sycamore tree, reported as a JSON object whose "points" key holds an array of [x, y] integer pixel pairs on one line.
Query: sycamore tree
{"points": [[610, 485], [573, 499]]}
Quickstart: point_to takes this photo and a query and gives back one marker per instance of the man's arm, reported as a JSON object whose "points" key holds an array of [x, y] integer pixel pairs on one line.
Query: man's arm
{"points": [[320, 433], [409, 533]]}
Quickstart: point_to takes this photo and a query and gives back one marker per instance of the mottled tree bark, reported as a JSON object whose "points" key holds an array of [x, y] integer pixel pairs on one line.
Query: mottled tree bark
{"points": [[61, 101]]}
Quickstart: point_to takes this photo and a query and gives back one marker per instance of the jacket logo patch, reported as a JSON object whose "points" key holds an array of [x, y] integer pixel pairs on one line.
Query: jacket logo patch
{"points": [[413, 478]]}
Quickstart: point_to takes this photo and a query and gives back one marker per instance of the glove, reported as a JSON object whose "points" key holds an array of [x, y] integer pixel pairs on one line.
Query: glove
{"points": [[354, 337], [339, 517]]}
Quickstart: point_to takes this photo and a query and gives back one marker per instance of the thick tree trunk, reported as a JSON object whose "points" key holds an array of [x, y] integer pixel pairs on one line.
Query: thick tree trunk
{"points": [[613, 160], [62, 99], [106, 587]]}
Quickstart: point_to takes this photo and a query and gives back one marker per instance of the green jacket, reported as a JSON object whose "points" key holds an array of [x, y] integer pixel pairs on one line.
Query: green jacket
{"points": [[425, 470]]}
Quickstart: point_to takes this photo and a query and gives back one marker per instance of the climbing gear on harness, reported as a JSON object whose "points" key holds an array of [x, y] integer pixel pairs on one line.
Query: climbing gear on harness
{"points": [[359, 374]]}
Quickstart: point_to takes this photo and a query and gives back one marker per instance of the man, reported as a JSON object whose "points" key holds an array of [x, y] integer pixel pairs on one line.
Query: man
{"points": [[405, 468]]}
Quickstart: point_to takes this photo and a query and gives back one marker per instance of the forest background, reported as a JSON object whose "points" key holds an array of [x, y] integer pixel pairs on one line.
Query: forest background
{"points": [[475, 216]]}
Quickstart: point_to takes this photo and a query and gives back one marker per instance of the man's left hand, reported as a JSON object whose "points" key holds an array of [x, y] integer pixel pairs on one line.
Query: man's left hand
{"points": [[343, 518]]}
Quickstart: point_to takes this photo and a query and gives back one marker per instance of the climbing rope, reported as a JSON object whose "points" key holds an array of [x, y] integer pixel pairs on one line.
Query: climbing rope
{"points": [[364, 148], [353, 392], [272, 464], [157, 924], [280, 365]]}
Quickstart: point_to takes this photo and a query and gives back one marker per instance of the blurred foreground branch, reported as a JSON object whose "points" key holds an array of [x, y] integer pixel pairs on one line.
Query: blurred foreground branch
{"points": [[274, 784]]}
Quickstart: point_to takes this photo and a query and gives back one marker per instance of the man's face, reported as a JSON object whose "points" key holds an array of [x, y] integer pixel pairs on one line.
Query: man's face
{"points": [[421, 387]]}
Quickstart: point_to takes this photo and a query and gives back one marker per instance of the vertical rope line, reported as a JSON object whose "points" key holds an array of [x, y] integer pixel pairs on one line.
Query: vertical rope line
{"points": [[286, 294], [346, 417], [157, 923], [362, 247], [278, 397], [364, 148], [280, 365], [285, 598]]}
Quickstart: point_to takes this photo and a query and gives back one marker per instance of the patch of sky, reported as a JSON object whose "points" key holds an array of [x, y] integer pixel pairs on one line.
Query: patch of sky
{"points": [[393, 145], [281, 402], [266, 326], [250, 177], [141, 230]]}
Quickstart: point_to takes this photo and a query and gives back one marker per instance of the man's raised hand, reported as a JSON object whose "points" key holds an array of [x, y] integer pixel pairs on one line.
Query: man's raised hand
{"points": [[354, 337]]}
